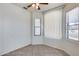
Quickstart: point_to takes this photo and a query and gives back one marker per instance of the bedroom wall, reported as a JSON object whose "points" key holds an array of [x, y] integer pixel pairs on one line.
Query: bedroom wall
{"points": [[1, 33], [15, 28]]}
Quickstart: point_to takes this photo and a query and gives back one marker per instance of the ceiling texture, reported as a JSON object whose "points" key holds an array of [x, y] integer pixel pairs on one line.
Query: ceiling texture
{"points": [[43, 7]]}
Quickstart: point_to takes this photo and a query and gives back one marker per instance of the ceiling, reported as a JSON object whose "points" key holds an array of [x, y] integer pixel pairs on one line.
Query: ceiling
{"points": [[43, 7]]}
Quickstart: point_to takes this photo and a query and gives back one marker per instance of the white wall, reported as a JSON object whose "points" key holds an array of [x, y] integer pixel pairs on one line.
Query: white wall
{"points": [[15, 28], [1, 33]]}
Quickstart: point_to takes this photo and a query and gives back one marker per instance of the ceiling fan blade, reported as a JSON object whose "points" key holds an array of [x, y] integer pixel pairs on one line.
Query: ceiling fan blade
{"points": [[24, 7], [44, 3], [27, 6]]}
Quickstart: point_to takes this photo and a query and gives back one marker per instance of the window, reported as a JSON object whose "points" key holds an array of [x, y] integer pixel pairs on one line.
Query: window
{"points": [[72, 24], [37, 27], [53, 24]]}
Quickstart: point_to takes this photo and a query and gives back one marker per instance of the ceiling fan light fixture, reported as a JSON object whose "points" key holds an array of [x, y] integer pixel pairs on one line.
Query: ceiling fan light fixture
{"points": [[36, 7], [33, 5]]}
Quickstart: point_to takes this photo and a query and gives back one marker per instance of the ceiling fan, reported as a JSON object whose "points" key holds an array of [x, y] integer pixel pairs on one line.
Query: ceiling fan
{"points": [[35, 5]]}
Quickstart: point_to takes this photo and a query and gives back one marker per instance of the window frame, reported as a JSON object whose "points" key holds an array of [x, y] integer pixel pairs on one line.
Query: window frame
{"points": [[37, 27], [67, 25]]}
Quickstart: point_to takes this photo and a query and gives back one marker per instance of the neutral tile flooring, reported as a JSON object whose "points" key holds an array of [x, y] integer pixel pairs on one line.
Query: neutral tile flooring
{"points": [[37, 50]]}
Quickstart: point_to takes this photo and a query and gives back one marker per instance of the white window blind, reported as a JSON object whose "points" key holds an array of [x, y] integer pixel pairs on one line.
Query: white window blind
{"points": [[37, 27], [53, 24]]}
